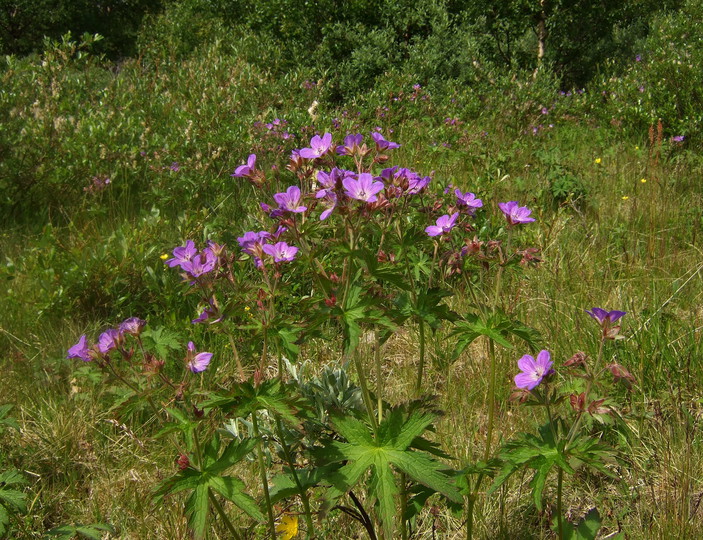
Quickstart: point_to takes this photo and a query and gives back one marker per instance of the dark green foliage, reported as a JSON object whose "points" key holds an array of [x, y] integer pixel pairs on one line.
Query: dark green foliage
{"points": [[25, 23]]}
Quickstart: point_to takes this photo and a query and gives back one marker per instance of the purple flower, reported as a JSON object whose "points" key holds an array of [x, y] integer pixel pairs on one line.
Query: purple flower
{"points": [[416, 184], [678, 138], [210, 312], [516, 214], [469, 200], [108, 340], [382, 143], [80, 350], [252, 242], [351, 145], [638, 58], [290, 200], [605, 317], [201, 264], [281, 252], [533, 371], [197, 362], [319, 146], [544, 110], [362, 189], [244, 171], [183, 254], [444, 225], [132, 326], [331, 197]]}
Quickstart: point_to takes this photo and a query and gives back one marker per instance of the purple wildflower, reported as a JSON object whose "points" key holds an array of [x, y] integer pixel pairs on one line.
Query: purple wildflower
{"points": [[515, 213], [444, 225], [533, 371], [416, 184], [331, 197], [245, 171], [108, 340], [362, 189], [132, 326], [678, 138], [468, 200], [183, 254], [281, 252], [197, 362], [290, 200], [252, 242], [319, 146], [201, 264], [382, 143], [210, 312], [80, 350], [351, 145], [605, 317]]}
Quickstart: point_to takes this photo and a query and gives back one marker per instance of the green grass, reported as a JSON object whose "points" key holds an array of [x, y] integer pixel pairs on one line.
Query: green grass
{"points": [[73, 262]]}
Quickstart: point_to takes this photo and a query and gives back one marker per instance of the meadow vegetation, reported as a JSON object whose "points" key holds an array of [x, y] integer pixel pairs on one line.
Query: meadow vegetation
{"points": [[285, 269]]}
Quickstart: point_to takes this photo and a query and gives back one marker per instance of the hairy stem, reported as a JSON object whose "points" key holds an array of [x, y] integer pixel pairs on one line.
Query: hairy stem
{"points": [[262, 473]]}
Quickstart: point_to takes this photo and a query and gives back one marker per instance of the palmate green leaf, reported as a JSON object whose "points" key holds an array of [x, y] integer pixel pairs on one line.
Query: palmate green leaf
{"points": [[187, 479], [232, 489], [271, 395], [284, 486], [539, 480], [197, 508], [586, 529], [232, 454], [379, 454], [383, 488], [426, 471]]}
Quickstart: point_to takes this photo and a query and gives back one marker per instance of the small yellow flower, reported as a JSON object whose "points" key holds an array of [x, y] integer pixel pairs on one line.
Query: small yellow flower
{"points": [[288, 527], [625, 197], [643, 180], [637, 147], [164, 256], [597, 161], [247, 308]]}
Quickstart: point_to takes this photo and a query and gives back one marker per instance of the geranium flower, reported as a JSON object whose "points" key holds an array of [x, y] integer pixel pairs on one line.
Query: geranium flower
{"points": [[281, 252], [80, 350], [351, 145], [197, 362], [245, 171], [515, 213], [533, 371], [362, 189], [108, 340], [468, 200], [444, 225], [182, 254], [606, 319], [319, 146], [132, 326], [290, 200], [382, 143]]}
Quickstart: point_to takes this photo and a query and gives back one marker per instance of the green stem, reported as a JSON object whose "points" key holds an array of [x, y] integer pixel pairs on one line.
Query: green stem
{"points": [[489, 437], [365, 390], [223, 515], [379, 387], [491, 397], [421, 367], [262, 473], [560, 518], [301, 491]]}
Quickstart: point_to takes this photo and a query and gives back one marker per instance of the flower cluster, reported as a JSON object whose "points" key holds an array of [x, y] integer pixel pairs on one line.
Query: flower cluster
{"points": [[111, 339], [196, 264]]}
